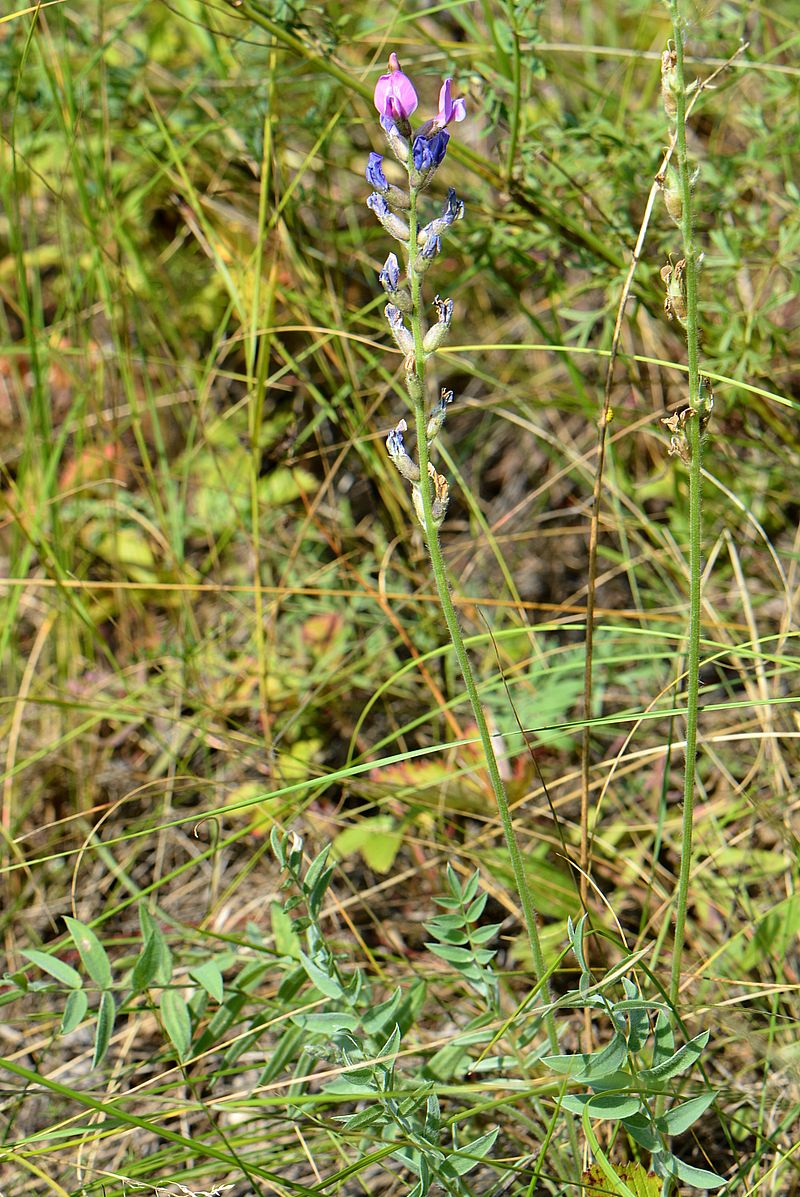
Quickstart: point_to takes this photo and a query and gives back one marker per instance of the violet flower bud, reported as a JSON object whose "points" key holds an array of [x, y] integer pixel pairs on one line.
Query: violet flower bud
{"points": [[374, 172], [429, 251], [402, 336], [398, 143], [395, 225], [390, 275], [453, 210], [436, 418], [397, 452], [390, 281], [427, 153], [394, 196], [436, 335]]}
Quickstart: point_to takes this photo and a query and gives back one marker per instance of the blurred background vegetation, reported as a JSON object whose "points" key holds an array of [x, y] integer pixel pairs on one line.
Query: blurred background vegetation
{"points": [[215, 597]]}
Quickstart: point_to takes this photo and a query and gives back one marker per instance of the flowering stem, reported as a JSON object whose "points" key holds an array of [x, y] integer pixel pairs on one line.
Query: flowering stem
{"points": [[695, 480], [431, 532]]}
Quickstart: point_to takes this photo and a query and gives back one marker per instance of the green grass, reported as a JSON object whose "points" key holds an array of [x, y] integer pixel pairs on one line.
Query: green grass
{"points": [[217, 616]]}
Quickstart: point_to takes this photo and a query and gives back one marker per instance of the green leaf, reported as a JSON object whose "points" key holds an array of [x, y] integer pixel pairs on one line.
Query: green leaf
{"points": [[321, 980], [375, 838], [91, 952], [700, 1178], [208, 976], [74, 1011], [151, 931], [681, 1117], [376, 1019], [326, 1024], [590, 1067], [106, 1013], [470, 1155], [677, 1063], [664, 1039], [450, 953], [62, 972], [641, 1131], [602, 1105], [146, 966], [177, 1021], [636, 1010], [287, 942]]}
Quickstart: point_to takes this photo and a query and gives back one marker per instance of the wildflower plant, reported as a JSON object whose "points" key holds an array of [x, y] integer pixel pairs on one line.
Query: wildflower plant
{"points": [[420, 154]]}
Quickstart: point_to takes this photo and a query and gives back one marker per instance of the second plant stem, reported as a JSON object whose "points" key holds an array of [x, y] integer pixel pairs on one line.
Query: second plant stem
{"points": [[695, 482], [451, 619]]}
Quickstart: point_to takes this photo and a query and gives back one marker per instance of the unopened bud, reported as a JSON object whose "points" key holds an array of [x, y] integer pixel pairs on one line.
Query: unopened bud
{"points": [[426, 255], [415, 388], [452, 211], [395, 136], [397, 452], [670, 86], [436, 335], [437, 416], [403, 337], [669, 183], [395, 225]]}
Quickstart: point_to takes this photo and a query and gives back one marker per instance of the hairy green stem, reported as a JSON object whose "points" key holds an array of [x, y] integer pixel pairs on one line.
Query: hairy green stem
{"points": [[695, 482], [451, 619]]}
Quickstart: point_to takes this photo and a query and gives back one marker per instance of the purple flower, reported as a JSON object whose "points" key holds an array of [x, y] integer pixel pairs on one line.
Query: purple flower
{"points": [[449, 109], [453, 207], [444, 310], [428, 152], [397, 451], [395, 97], [452, 210], [377, 204], [431, 248], [403, 337], [374, 172], [390, 275]]}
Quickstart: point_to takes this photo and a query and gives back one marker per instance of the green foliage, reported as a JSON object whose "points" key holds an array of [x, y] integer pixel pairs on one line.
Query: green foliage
{"points": [[460, 937], [622, 1088]]}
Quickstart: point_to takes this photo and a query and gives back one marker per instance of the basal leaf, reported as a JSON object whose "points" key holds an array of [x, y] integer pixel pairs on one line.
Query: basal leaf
{"points": [[208, 976], [91, 952], [106, 1013], [681, 1117], [602, 1105], [74, 1011], [62, 972], [321, 980], [678, 1062], [470, 1155], [699, 1178], [589, 1067], [177, 1021], [146, 966]]}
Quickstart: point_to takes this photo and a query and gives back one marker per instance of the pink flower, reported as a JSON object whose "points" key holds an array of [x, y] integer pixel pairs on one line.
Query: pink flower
{"points": [[395, 97], [449, 109]]}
